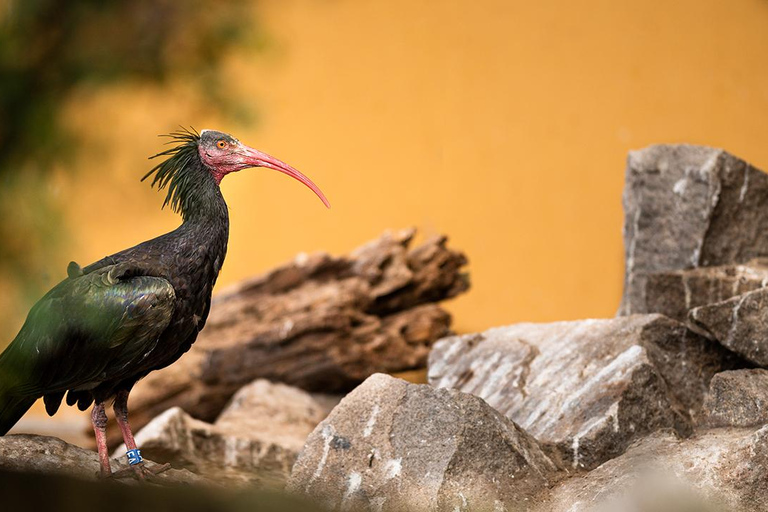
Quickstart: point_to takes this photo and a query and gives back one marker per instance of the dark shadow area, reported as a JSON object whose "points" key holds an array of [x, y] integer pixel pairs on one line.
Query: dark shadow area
{"points": [[39, 493]]}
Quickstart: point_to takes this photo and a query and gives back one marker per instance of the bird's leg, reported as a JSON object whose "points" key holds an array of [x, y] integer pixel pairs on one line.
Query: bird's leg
{"points": [[99, 420], [121, 415]]}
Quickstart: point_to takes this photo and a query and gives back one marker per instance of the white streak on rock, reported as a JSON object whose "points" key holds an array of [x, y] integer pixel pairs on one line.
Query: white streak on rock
{"points": [[680, 186], [327, 434], [613, 412], [633, 245], [230, 451], [371, 421], [436, 369], [616, 371], [392, 468], [575, 449], [735, 320], [353, 484], [496, 380], [687, 289], [745, 184]]}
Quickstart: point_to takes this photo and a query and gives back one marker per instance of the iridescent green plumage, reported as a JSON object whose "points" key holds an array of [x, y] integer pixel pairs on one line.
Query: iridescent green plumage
{"points": [[85, 328]]}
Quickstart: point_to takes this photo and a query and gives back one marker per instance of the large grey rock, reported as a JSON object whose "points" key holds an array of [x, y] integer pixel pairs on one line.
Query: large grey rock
{"points": [[739, 323], [689, 206], [676, 292], [255, 441], [39, 454], [738, 398], [585, 389], [390, 445], [716, 471]]}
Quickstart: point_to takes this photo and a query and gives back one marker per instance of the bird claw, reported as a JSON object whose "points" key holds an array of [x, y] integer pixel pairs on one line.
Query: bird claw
{"points": [[140, 471]]}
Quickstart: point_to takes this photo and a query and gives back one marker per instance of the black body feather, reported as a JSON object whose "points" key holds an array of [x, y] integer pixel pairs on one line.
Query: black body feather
{"points": [[111, 323]]}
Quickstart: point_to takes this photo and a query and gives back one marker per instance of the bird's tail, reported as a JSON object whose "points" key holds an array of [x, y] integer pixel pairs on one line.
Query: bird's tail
{"points": [[12, 408]]}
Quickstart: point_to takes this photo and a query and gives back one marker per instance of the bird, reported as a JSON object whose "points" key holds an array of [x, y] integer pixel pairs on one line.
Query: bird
{"points": [[110, 323]]}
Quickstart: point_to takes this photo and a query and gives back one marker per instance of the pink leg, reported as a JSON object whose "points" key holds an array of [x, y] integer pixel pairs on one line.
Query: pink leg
{"points": [[99, 420], [121, 415]]}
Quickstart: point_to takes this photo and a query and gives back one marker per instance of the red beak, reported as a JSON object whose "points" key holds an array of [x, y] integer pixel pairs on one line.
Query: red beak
{"points": [[255, 158]]}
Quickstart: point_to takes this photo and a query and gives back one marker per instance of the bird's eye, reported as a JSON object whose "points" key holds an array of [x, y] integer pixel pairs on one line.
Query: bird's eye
{"points": [[221, 144]]}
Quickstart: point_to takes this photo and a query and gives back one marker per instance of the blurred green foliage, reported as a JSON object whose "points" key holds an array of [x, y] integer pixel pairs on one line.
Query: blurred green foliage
{"points": [[48, 48]]}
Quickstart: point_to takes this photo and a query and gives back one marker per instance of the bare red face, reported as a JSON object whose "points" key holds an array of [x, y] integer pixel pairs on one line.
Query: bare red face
{"points": [[223, 154]]}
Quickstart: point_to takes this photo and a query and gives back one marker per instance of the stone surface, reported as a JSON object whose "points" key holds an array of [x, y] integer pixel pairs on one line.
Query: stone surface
{"points": [[718, 470], [585, 389], [321, 323], [51, 456], [737, 398], [390, 445], [676, 292], [255, 441], [283, 414], [739, 323], [689, 206]]}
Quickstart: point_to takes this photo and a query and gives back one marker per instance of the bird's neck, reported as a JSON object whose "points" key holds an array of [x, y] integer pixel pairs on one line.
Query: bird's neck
{"points": [[205, 213]]}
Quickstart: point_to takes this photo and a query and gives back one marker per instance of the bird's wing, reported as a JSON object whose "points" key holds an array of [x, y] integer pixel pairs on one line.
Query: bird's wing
{"points": [[87, 329]]}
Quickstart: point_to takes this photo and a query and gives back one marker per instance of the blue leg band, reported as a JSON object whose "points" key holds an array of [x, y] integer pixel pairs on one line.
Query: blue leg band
{"points": [[134, 457]]}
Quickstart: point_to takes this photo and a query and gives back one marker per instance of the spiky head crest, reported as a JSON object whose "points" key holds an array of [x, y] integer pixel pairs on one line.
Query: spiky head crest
{"points": [[181, 171]]}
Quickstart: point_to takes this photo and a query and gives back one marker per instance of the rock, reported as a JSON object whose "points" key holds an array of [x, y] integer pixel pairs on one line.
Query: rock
{"points": [[737, 398], [390, 445], [321, 323], [718, 470], [184, 442], [282, 414], [48, 455], [739, 323], [585, 389], [676, 292], [255, 440], [689, 206]]}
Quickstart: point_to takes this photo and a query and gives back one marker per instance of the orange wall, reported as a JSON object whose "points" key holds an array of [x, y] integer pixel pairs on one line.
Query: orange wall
{"points": [[504, 124]]}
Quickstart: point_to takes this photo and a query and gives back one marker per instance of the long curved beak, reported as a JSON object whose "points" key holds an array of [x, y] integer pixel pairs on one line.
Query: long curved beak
{"points": [[256, 158]]}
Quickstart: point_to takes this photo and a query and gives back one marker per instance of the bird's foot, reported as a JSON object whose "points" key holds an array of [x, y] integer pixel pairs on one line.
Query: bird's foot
{"points": [[141, 472]]}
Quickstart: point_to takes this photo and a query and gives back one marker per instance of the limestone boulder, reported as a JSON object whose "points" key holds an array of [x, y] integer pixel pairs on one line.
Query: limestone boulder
{"points": [[585, 389], [390, 446], [685, 207]]}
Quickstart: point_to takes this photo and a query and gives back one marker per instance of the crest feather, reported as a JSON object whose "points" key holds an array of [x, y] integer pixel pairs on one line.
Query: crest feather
{"points": [[178, 172]]}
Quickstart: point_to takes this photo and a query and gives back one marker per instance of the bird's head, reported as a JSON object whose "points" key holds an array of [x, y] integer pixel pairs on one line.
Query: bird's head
{"points": [[222, 154], [215, 153]]}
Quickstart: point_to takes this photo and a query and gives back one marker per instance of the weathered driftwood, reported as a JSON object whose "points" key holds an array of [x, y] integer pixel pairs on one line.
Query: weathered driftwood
{"points": [[320, 322]]}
